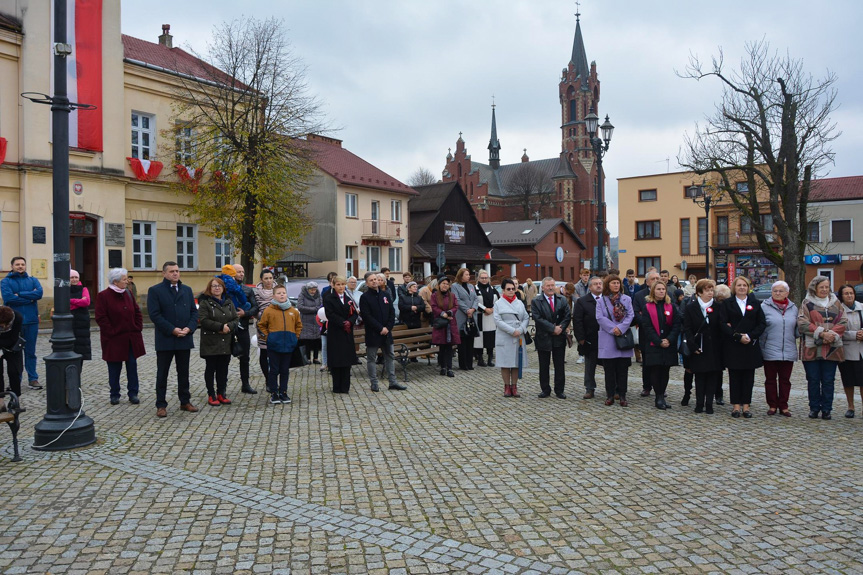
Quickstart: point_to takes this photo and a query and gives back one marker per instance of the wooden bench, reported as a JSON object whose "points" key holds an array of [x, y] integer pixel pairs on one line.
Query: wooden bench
{"points": [[9, 411], [408, 344]]}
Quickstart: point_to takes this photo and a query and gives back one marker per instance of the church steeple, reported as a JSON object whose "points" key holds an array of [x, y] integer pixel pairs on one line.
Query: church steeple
{"points": [[579, 56], [493, 143]]}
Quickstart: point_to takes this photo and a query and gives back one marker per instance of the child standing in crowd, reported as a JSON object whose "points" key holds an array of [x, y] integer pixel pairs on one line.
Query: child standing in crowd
{"points": [[280, 325]]}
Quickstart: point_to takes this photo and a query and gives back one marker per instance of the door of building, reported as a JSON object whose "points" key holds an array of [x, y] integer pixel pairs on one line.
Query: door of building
{"points": [[84, 251]]}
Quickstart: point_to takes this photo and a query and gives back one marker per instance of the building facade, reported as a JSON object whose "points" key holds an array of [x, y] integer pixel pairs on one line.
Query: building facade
{"points": [[546, 247], [836, 231], [562, 187]]}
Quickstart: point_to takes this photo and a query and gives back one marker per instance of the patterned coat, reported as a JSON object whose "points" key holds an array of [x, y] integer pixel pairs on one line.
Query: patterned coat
{"points": [[813, 320]]}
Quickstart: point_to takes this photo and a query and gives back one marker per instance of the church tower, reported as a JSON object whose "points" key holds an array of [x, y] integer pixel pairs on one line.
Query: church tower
{"points": [[579, 94], [493, 144]]}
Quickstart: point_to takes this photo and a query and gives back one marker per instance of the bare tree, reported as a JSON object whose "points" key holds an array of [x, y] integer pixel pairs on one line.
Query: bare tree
{"points": [[242, 116], [533, 192], [422, 177], [772, 128]]}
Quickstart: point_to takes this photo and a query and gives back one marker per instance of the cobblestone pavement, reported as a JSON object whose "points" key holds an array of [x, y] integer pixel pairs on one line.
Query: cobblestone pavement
{"points": [[446, 477]]}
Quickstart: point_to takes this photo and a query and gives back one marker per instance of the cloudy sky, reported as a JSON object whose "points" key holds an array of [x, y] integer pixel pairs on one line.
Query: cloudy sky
{"points": [[401, 78]]}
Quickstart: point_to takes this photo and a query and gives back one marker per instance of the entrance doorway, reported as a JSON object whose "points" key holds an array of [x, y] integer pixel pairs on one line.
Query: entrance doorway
{"points": [[84, 251]]}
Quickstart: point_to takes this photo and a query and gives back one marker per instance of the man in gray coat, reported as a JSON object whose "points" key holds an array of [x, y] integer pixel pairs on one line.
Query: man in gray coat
{"points": [[552, 315]]}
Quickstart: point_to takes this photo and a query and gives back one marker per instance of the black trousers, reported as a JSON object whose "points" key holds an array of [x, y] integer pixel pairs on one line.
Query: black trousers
{"points": [[706, 384], [719, 387], [590, 361], [264, 362], [163, 366], [616, 374], [341, 379], [14, 367], [445, 356], [313, 346], [465, 352], [687, 382], [740, 384], [659, 379], [280, 371], [545, 358], [246, 342], [216, 368]]}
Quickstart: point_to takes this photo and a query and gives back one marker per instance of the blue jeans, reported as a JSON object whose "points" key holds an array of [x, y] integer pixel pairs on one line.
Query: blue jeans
{"points": [[820, 375], [30, 332], [114, 370]]}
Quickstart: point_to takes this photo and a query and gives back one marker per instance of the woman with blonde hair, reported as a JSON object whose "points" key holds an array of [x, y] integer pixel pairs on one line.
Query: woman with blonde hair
{"points": [[661, 325], [742, 322], [704, 338]]}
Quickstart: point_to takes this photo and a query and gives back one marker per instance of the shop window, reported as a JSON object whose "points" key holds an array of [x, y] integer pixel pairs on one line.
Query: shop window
{"points": [[373, 259], [646, 195], [647, 230], [840, 231], [644, 264]]}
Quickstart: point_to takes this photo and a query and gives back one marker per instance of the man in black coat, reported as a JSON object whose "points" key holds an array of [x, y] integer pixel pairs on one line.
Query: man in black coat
{"points": [[552, 315], [171, 307], [379, 317], [586, 331], [243, 335], [638, 302]]}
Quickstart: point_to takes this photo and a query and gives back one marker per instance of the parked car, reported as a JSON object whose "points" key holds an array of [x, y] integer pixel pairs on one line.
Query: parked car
{"points": [[763, 292]]}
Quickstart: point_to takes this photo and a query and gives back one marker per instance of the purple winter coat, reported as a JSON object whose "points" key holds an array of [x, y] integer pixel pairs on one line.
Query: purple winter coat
{"points": [[605, 318], [439, 335]]}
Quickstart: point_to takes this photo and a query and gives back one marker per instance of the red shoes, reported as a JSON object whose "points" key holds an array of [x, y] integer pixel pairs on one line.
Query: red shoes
{"points": [[224, 400], [212, 400]]}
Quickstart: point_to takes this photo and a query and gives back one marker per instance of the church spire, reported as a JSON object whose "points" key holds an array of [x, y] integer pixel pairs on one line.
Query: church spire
{"points": [[493, 143], [579, 56]]}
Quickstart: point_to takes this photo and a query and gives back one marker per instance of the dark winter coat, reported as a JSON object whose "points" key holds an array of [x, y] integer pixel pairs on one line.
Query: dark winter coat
{"points": [[169, 308], [249, 292], [407, 316], [81, 320], [376, 308], [213, 316], [669, 328], [584, 325], [308, 306], [706, 336], [736, 355], [120, 325], [450, 305], [340, 344], [10, 338]]}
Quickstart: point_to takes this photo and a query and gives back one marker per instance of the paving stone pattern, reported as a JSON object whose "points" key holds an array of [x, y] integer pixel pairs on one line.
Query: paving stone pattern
{"points": [[446, 477]]}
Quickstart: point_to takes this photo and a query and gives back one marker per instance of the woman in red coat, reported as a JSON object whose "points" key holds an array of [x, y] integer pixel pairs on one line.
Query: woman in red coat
{"points": [[444, 306], [120, 326]]}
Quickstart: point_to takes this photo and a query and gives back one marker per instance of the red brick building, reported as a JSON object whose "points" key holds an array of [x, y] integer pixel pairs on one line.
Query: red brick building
{"points": [[569, 179], [547, 247]]}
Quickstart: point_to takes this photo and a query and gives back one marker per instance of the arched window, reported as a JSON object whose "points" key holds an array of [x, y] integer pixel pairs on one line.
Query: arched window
{"points": [[459, 171], [572, 114]]}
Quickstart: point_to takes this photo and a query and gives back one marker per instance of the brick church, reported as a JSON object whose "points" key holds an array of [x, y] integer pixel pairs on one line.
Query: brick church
{"points": [[563, 187]]}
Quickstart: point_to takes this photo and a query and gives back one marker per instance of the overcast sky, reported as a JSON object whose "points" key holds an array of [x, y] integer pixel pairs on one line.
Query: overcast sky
{"points": [[401, 78]]}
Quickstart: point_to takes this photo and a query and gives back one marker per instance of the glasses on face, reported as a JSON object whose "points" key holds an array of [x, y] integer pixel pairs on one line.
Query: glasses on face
{"points": [[509, 289]]}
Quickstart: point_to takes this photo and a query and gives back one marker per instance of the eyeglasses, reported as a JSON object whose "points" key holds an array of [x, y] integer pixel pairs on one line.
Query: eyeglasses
{"points": [[509, 289]]}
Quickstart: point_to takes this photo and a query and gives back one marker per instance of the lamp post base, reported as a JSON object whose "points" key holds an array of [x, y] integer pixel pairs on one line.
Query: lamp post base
{"points": [[65, 425]]}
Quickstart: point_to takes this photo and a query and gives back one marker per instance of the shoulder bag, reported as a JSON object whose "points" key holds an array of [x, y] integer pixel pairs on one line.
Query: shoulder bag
{"points": [[624, 341]]}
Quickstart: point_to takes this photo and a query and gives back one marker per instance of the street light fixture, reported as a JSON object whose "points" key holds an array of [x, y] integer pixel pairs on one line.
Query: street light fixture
{"points": [[701, 198], [600, 147]]}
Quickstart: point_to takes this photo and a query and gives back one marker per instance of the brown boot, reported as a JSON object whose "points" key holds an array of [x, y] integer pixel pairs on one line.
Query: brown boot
{"points": [[507, 390], [514, 388]]}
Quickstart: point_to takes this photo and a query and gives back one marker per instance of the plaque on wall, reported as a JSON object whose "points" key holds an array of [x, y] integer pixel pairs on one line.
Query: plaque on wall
{"points": [[115, 235], [40, 235], [115, 258]]}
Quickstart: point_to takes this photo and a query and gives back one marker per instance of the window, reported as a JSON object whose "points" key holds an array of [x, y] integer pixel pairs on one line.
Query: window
{"points": [[647, 230], [702, 235], [143, 245], [395, 264], [373, 259], [186, 246], [350, 257], [184, 137], [143, 136], [813, 232], [396, 211], [561, 273], [644, 264], [376, 216], [224, 252], [746, 226], [722, 230], [646, 195], [742, 187], [767, 222], [684, 236], [840, 231], [350, 205]]}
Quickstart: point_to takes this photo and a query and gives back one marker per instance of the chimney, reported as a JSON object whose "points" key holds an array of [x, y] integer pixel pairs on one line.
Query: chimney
{"points": [[166, 39]]}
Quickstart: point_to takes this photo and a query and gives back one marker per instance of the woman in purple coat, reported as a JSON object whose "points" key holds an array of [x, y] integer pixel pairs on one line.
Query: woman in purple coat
{"points": [[444, 305], [120, 326], [614, 315]]}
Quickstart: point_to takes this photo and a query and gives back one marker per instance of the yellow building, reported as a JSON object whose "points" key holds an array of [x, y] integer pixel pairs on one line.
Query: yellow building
{"points": [[660, 226], [119, 217]]}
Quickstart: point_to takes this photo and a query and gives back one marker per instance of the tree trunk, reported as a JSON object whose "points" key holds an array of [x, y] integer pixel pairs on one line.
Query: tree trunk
{"points": [[248, 242]]}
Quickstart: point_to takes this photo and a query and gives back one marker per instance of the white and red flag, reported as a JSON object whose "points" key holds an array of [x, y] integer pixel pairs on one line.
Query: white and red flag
{"points": [[83, 71]]}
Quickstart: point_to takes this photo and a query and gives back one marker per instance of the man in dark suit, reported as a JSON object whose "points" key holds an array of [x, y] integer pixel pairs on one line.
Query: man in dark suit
{"points": [[379, 317], [638, 303], [552, 315], [243, 335], [586, 331], [171, 307]]}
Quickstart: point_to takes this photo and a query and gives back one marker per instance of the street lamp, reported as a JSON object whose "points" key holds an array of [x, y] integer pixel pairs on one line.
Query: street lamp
{"points": [[600, 147], [700, 198]]}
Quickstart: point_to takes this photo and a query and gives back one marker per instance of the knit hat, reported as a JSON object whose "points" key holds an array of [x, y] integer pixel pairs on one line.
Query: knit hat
{"points": [[442, 277], [229, 270], [411, 284]]}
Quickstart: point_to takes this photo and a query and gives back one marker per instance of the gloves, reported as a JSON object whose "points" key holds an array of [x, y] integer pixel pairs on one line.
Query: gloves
{"points": [[346, 325]]}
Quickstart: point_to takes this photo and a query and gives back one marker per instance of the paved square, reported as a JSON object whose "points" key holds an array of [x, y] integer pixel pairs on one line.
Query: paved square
{"points": [[447, 477]]}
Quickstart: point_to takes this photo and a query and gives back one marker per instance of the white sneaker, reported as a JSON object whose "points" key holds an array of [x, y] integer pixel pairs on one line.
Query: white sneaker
{"points": [[580, 360]]}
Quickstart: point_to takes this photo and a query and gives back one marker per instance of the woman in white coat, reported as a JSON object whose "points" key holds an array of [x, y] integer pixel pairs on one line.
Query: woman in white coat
{"points": [[511, 319]]}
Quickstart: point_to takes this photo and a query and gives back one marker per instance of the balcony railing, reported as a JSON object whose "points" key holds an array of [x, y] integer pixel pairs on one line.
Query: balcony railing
{"points": [[383, 229]]}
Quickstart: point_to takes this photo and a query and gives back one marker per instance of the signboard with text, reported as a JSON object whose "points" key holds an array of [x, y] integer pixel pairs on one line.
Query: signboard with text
{"points": [[453, 232]]}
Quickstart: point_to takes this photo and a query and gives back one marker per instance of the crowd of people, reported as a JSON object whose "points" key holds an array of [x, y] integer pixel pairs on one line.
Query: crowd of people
{"points": [[661, 323]]}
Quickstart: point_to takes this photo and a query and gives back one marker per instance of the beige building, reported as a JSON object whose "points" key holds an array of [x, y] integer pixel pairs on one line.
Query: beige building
{"points": [[121, 214]]}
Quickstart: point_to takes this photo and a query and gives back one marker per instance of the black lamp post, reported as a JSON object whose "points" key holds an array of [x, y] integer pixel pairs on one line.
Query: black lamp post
{"points": [[700, 198], [600, 147], [65, 425]]}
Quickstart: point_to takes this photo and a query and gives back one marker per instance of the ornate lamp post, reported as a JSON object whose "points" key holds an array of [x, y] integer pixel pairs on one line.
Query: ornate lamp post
{"points": [[703, 199], [600, 147]]}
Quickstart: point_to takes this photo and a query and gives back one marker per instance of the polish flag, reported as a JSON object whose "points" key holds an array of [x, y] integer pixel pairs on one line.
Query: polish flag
{"points": [[83, 71], [488, 255]]}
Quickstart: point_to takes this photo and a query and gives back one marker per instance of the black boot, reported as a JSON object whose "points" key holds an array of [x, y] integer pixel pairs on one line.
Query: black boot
{"points": [[248, 389], [685, 401], [490, 358]]}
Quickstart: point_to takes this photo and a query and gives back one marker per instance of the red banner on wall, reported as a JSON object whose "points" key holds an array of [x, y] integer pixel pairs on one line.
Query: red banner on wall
{"points": [[731, 272]]}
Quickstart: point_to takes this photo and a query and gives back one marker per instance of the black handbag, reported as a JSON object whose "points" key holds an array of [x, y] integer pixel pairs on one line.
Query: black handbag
{"points": [[236, 347], [298, 357], [683, 348], [440, 323], [470, 329], [625, 340], [527, 338]]}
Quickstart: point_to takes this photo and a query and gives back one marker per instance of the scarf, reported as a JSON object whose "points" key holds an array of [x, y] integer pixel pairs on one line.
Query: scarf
{"points": [[820, 301], [487, 292], [704, 305], [282, 306], [781, 304], [509, 298], [116, 289], [619, 311], [653, 312]]}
